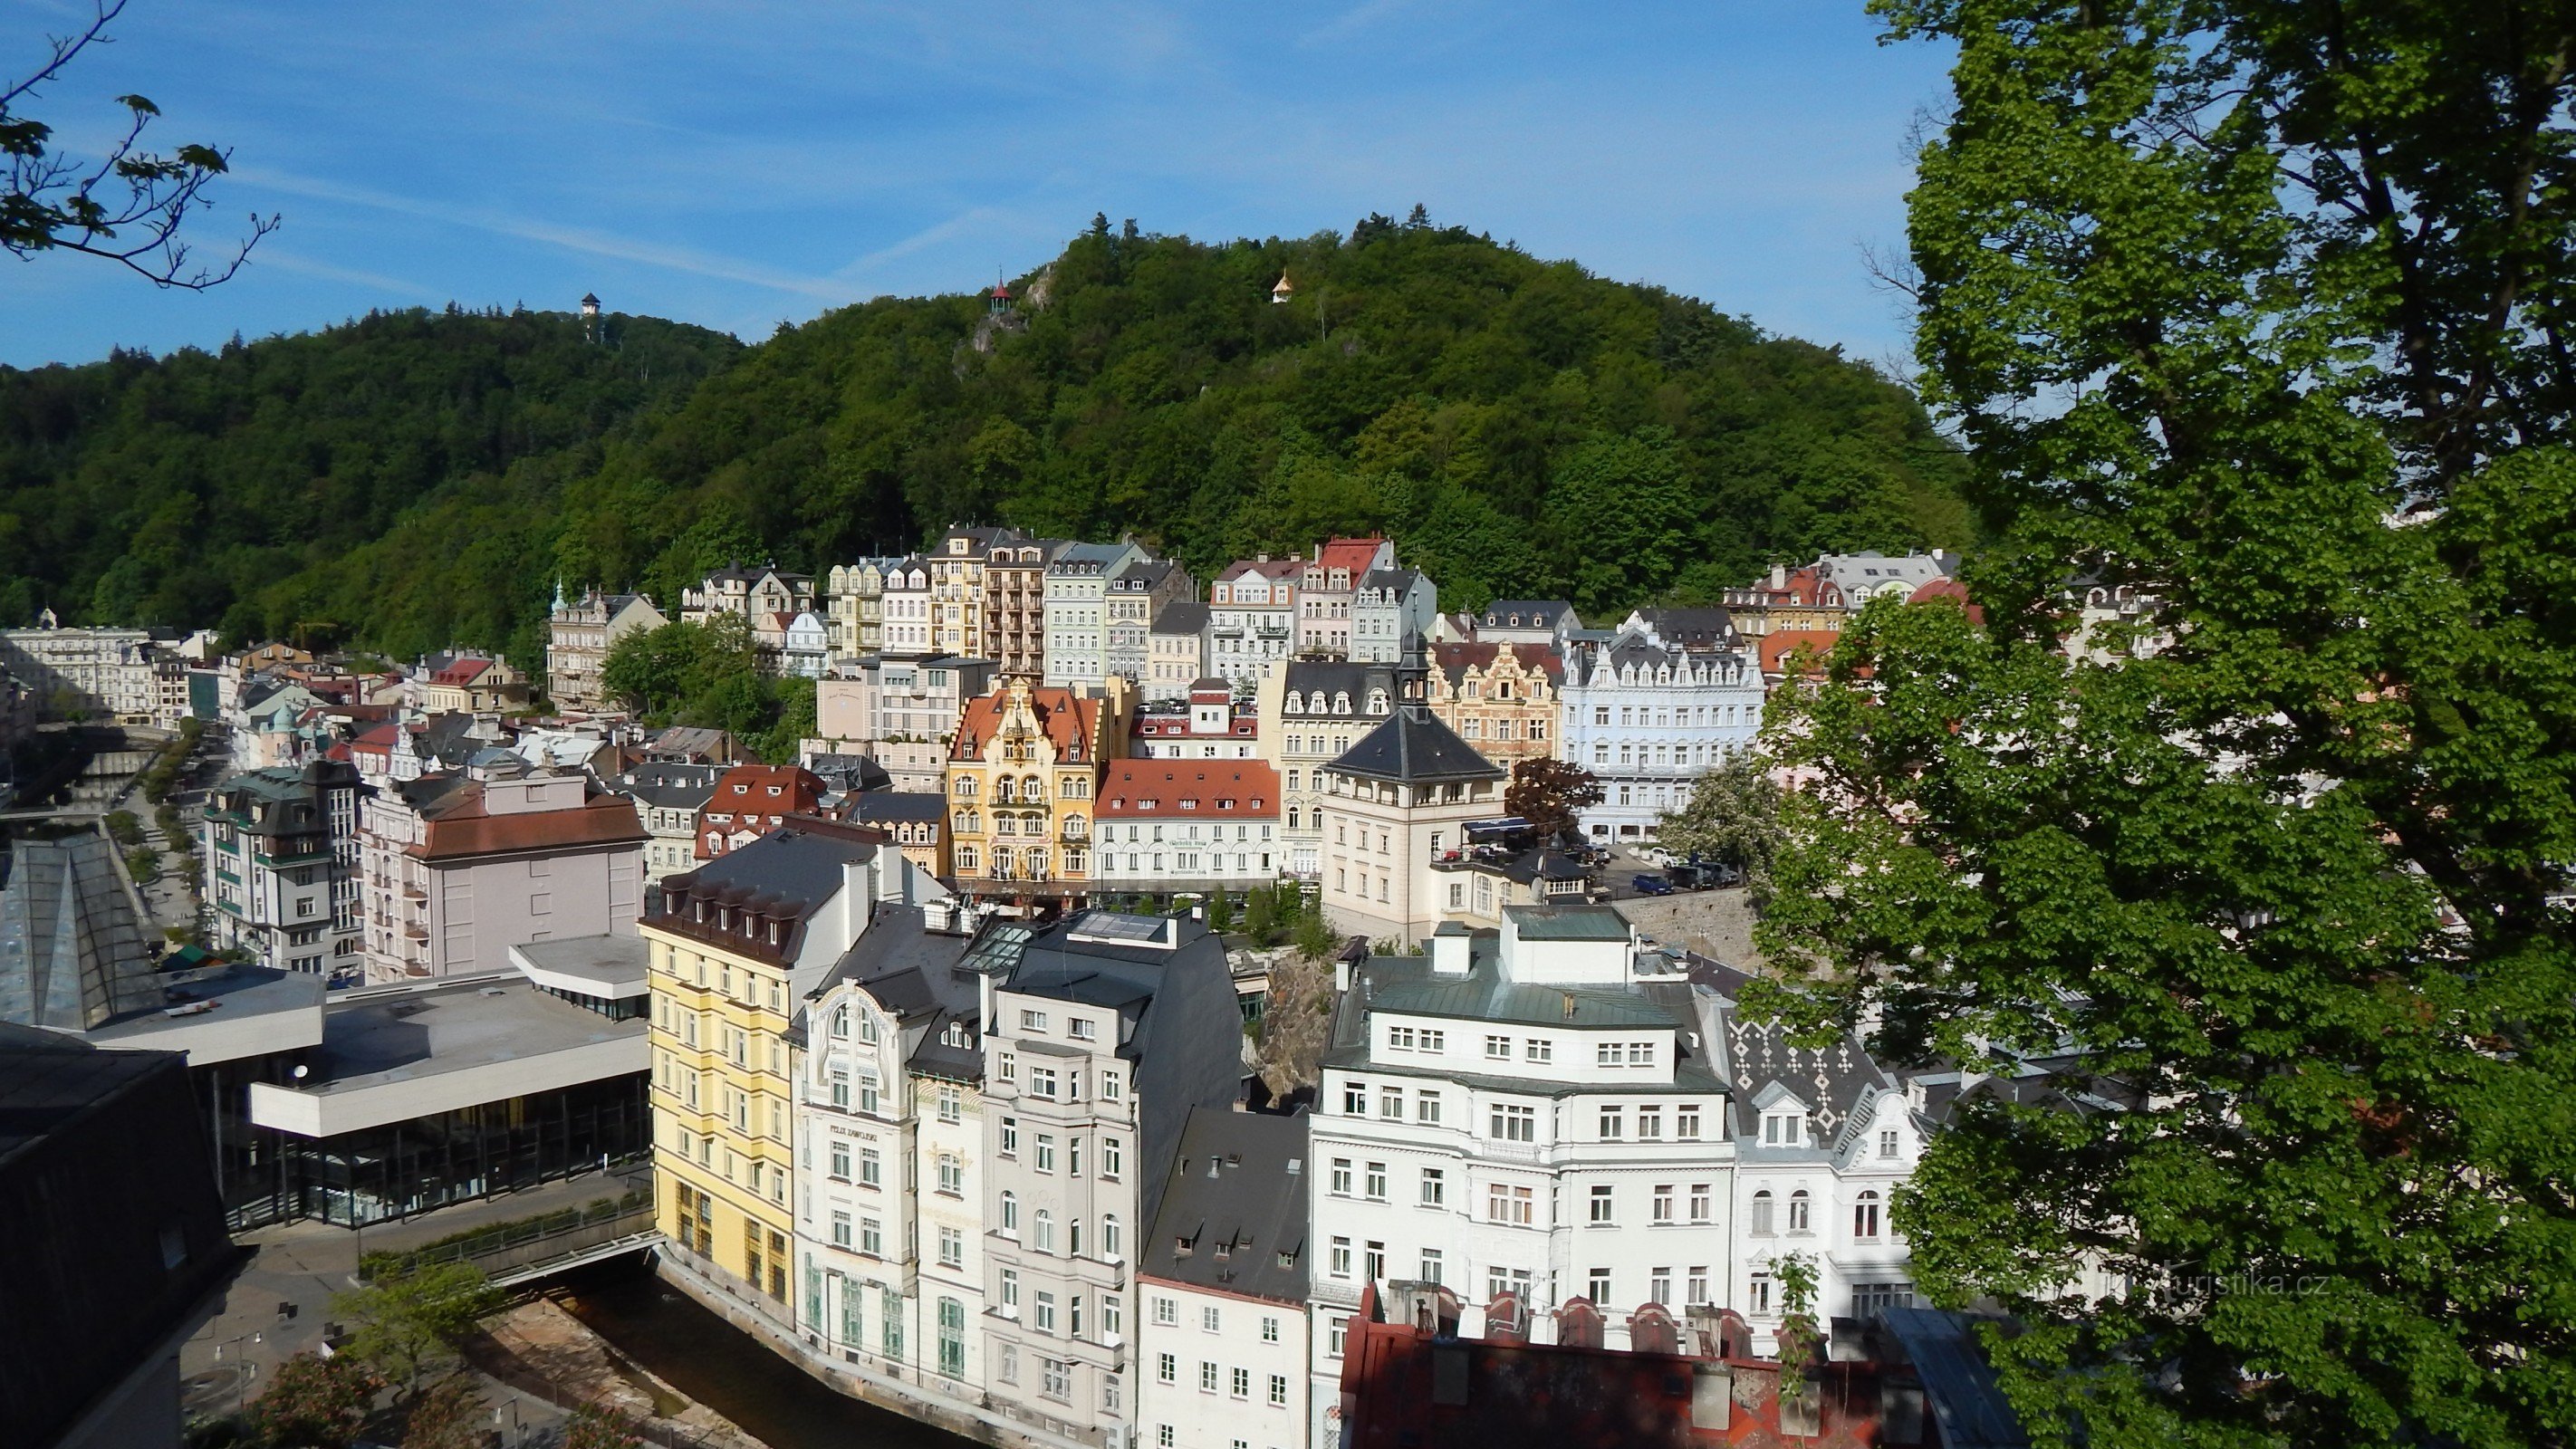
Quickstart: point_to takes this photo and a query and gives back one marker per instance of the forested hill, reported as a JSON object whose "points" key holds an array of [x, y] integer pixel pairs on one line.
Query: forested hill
{"points": [[415, 480]]}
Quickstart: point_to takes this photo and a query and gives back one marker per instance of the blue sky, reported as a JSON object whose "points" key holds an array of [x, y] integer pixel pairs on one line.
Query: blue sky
{"points": [[740, 163]]}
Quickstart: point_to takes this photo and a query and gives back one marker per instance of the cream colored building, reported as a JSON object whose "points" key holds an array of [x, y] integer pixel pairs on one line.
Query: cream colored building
{"points": [[579, 634], [1393, 803]]}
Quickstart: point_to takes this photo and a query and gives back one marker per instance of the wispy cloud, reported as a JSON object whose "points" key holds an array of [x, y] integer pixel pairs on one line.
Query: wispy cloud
{"points": [[570, 238], [269, 254], [1354, 20]]}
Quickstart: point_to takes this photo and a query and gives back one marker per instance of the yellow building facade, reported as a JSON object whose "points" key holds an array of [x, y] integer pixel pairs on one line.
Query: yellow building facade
{"points": [[1023, 781], [733, 947]]}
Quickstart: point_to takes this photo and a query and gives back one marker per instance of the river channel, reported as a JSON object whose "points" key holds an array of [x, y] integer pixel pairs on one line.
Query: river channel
{"points": [[723, 1368]]}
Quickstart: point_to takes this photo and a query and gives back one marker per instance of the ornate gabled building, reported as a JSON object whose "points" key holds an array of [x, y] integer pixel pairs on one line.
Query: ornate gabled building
{"points": [[854, 607], [579, 634], [1327, 588], [1390, 605], [1023, 775], [1393, 804], [1646, 716], [767, 598], [1313, 710], [1500, 698]]}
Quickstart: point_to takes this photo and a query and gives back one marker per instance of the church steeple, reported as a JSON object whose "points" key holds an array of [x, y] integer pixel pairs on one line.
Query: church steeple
{"points": [[1411, 674]]}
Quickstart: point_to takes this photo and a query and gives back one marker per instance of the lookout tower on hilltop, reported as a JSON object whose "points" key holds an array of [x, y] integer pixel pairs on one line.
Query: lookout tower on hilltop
{"points": [[590, 316], [1281, 291]]}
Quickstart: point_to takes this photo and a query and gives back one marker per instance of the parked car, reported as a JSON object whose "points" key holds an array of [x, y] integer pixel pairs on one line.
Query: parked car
{"points": [[1687, 877], [1651, 885]]}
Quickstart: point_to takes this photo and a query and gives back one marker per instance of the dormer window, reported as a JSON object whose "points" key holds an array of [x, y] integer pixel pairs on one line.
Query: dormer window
{"points": [[1783, 1129]]}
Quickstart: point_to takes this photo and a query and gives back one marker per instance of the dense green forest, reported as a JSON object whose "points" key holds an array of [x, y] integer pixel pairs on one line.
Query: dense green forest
{"points": [[415, 480]]}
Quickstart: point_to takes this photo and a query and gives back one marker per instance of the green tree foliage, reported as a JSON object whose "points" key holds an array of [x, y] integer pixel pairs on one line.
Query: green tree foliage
{"points": [[314, 1402], [127, 830], [385, 481], [595, 1427], [710, 675], [126, 206], [1550, 793], [448, 1416], [413, 481], [1732, 815], [2217, 292], [407, 1323]]}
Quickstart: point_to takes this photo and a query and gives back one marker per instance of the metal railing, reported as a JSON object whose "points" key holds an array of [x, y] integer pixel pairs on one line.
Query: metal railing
{"points": [[512, 1247]]}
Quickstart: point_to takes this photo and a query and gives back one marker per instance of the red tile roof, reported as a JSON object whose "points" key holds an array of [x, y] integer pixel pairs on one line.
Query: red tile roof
{"points": [[1777, 647], [1215, 789], [464, 828], [1455, 659], [1071, 722]]}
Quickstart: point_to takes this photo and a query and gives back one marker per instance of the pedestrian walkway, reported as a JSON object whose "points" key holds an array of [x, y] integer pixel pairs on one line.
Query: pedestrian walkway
{"points": [[277, 1306]]}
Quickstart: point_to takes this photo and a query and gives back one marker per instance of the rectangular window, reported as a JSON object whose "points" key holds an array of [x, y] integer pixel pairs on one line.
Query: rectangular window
{"points": [[952, 1248], [1341, 1177], [1269, 1329], [1207, 1377], [1239, 1383], [1513, 1124], [1390, 1103], [1426, 1108], [1166, 1312], [1498, 1048], [1699, 1201], [1659, 1287], [1607, 1054], [1887, 1142], [1278, 1390], [1686, 1123], [1601, 1202], [1650, 1124], [1341, 1259], [1609, 1124], [840, 1230], [1431, 1265], [841, 1161], [1503, 1204], [1663, 1202], [1354, 1100], [871, 1168], [1435, 1187], [1110, 1157], [1698, 1286], [1376, 1182], [1045, 1316], [1045, 1158], [1010, 1136], [871, 1237], [1597, 1288], [1211, 1319], [1538, 1049], [1166, 1370]]}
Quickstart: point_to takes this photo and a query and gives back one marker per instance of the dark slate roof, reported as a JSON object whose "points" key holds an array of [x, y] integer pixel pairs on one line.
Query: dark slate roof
{"points": [[1412, 746], [1697, 628], [896, 805], [49, 1080], [1236, 1204], [790, 873], [670, 784], [1325, 678], [850, 774], [1181, 616], [1143, 574], [1835, 1082], [1535, 613], [1958, 1383], [919, 976]]}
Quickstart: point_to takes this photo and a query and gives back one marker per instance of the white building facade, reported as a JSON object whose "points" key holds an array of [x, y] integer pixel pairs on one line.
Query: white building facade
{"points": [[1647, 716], [1533, 1110]]}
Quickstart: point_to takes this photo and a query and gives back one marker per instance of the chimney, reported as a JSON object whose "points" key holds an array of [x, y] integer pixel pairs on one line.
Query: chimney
{"points": [[1779, 576], [1449, 950]]}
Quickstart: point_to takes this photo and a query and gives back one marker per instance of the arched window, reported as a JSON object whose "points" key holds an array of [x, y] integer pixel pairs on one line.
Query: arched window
{"points": [[1111, 1245], [1033, 788], [1045, 1237], [1865, 1216], [1798, 1211], [1011, 1213], [1762, 1213]]}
